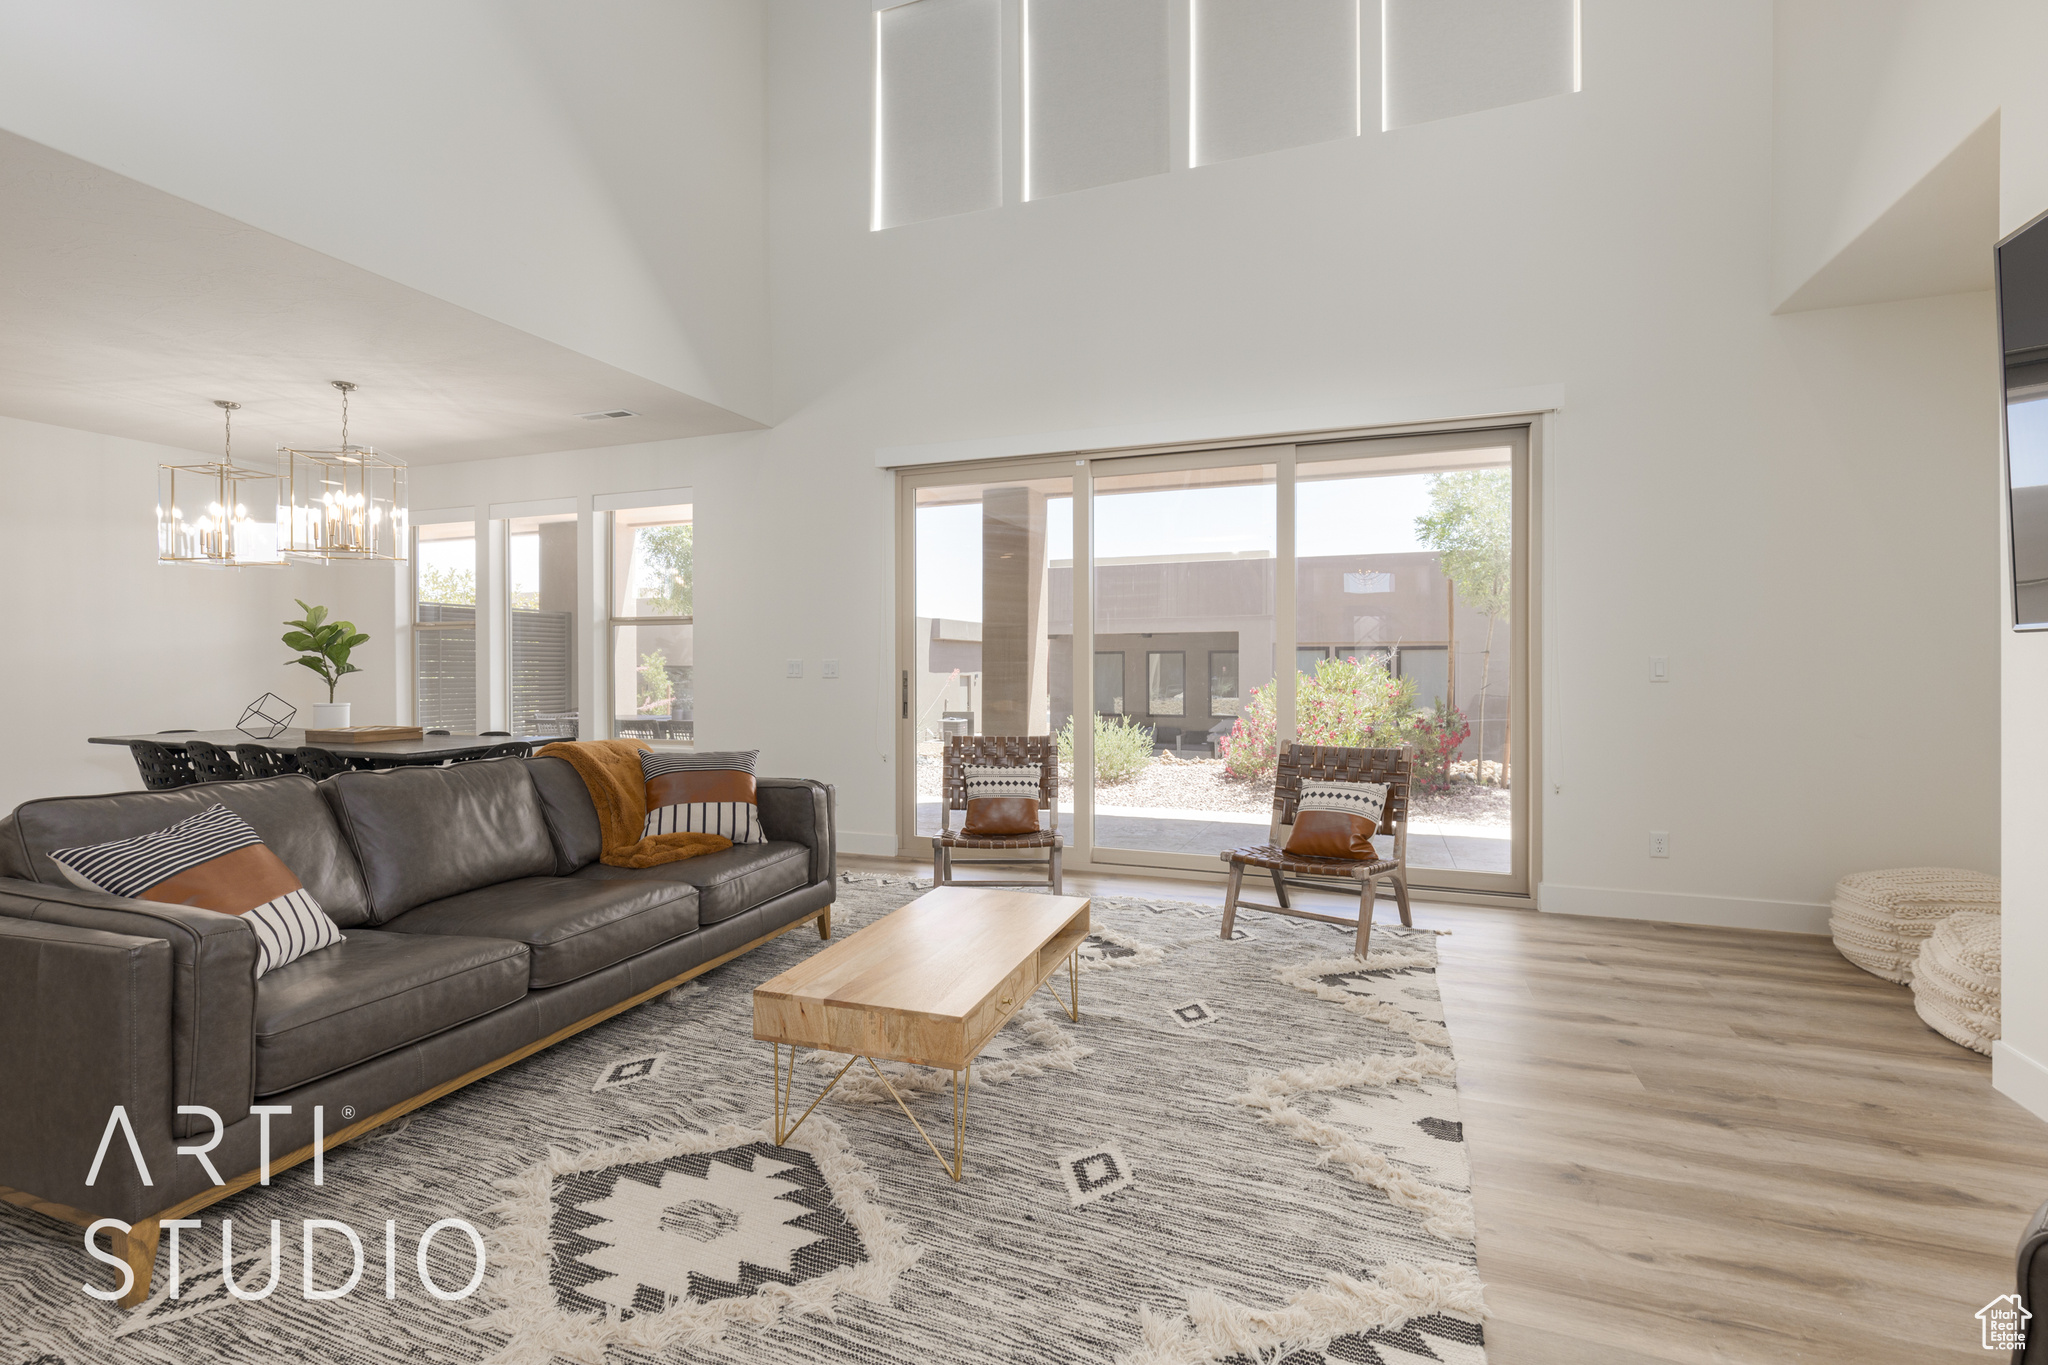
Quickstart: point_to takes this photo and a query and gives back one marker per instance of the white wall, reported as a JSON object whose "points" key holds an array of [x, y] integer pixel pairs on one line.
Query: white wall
{"points": [[100, 639], [591, 173], [1797, 510]]}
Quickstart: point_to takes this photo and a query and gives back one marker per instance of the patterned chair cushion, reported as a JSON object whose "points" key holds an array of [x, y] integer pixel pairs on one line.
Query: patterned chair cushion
{"points": [[1001, 802]]}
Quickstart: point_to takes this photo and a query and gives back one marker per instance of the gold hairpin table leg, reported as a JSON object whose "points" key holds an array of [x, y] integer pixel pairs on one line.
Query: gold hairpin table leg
{"points": [[785, 1085], [1072, 1004], [958, 1164]]}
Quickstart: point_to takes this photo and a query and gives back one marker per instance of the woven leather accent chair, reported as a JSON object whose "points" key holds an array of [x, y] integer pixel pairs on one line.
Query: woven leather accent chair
{"points": [[1321, 763], [161, 766], [262, 761], [213, 763], [999, 751]]}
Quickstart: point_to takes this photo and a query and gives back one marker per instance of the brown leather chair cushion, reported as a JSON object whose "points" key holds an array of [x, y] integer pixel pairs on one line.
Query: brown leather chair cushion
{"points": [[571, 926], [990, 815], [370, 993], [729, 881]]}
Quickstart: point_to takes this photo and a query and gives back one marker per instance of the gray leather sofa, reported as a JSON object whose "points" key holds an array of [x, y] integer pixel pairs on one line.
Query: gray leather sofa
{"points": [[479, 927]]}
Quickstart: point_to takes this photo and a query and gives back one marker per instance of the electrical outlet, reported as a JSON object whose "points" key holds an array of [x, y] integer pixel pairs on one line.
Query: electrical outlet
{"points": [[829, 668], [1660, 843], [794, 669], [1660, 668]]}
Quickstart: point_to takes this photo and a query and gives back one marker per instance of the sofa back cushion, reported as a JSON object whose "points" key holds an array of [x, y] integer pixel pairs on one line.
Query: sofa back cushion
{"points": [[286, 813], [571, 814], [421, 834]]}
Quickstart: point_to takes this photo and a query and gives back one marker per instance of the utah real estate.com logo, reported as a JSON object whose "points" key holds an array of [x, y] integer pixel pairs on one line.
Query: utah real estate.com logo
{"points": [[2005, 1323]]}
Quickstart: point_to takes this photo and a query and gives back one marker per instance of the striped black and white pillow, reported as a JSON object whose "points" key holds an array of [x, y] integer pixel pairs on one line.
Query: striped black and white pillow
{"points": [[213, 861], [985, 783], [702, 793]]}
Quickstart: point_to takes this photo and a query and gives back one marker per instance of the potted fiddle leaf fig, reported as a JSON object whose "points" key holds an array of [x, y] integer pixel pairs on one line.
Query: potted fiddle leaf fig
{"points": [[324, 647]]}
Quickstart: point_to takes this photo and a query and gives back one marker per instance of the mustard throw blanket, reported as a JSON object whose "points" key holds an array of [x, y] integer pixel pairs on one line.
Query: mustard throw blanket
{"points": [[610, 768]]}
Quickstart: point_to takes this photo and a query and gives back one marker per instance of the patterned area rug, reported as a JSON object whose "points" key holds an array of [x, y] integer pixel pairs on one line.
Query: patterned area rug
{"points": [[1244, 1152]]}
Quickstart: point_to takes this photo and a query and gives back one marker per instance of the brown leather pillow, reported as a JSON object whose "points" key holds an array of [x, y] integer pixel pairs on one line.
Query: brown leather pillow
{"points": [[990, 816], [1330, 834], [1337, 820]]}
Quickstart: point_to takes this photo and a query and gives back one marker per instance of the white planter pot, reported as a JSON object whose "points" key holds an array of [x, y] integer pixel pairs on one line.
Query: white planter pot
{"points": [[329, 715]]}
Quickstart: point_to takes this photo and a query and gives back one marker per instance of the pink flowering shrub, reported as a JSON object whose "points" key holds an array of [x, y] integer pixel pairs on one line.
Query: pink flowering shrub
{"points": [[1354, 702], [1438, 737]]}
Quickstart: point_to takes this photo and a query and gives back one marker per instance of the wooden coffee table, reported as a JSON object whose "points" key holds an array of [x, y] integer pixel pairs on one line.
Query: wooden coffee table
{"points": [[930, 983]]}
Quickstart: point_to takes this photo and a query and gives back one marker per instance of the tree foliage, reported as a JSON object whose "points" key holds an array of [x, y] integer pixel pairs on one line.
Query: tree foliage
{"points": [[324, 645], [1470, 525], [449, 587], [668, 565]]}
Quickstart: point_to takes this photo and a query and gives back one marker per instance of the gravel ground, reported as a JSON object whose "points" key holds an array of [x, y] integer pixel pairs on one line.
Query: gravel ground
{"points": [[1201, 784]]}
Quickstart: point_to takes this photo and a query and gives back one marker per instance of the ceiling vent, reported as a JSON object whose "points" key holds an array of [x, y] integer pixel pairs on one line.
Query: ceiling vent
{"points": [[606, 416]]}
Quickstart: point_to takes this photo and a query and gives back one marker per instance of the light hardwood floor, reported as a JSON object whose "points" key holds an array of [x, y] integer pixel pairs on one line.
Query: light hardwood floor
{"points": [[1706, 1145]]}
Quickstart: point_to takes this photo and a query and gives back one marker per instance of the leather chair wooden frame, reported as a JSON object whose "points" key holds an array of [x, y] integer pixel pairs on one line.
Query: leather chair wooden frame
{"points": [[1300, 763], [999, 751]]}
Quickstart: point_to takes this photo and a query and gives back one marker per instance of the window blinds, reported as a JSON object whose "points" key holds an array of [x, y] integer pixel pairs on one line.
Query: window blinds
{"points": [[1096, 93], [938, 110], [1270, 74], [1444, 58]]}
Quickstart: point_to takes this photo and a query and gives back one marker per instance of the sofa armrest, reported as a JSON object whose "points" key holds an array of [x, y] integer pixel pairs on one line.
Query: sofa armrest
{"points": [[801, 810], [87, 1019], [212, 1024]]}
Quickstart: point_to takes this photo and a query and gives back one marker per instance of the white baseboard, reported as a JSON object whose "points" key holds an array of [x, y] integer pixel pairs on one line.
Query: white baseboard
{"points": [[873, 845], [1670, 907], [2019, 1078]]}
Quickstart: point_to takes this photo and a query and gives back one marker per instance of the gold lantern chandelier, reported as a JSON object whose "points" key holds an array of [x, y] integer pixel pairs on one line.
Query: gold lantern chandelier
{"points": [[344, 503], [219, 514]]}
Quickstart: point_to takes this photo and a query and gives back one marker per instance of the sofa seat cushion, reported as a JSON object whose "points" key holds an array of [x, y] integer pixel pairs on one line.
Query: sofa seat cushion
{"points": [[571, 926], [372, 992], [728, 881]]}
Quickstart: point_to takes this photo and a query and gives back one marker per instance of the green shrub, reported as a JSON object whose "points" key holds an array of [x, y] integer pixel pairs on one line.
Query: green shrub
{"points": [[1355, 703], [1122, 749]]}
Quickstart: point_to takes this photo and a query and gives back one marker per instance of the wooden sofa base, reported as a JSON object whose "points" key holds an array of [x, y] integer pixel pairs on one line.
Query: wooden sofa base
{"points": [[138, 1245]]}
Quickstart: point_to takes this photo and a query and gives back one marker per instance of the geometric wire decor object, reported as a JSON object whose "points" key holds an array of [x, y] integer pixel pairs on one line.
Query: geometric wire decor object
{"points": [[267, 717], [348, 502], [218, 514]]}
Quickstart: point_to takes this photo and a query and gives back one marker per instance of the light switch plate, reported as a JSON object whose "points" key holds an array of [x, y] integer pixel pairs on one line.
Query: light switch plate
{"points": [[794, 669], [1660, 668], [829, 668]]}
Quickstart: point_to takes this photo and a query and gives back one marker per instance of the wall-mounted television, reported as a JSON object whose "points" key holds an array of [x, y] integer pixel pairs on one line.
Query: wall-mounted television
{"points": [[2023, 336]]}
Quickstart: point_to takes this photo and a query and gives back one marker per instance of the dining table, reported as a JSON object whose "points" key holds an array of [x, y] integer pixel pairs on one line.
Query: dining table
{"points": [[428, 750]]}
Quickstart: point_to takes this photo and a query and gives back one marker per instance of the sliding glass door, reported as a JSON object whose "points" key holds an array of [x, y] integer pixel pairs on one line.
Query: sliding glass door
{"points": [[1184, 598], [989, 649], [1176, 617]]}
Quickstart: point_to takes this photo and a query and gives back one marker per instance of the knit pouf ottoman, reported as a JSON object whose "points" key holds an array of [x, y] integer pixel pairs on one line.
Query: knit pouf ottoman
{"points": [[1880, 919], [1955, 982]]}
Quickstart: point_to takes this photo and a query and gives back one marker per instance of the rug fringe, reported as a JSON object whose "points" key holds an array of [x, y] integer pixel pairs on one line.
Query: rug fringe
{"points": [[1214, 1328], [1446, 1214]]}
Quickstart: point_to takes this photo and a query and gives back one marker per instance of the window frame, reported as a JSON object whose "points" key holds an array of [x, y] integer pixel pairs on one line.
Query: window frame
{"points": [[1180, 654], [1237, 689], [415, 625], [1123, 669], [612, 620]]}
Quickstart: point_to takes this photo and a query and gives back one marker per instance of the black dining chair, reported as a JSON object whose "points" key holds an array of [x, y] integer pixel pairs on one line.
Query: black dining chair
{"points": [[161, 766], [437, 732], [259, 760], [211, 763], [494, 734], [319, 764], [516, 749]]}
